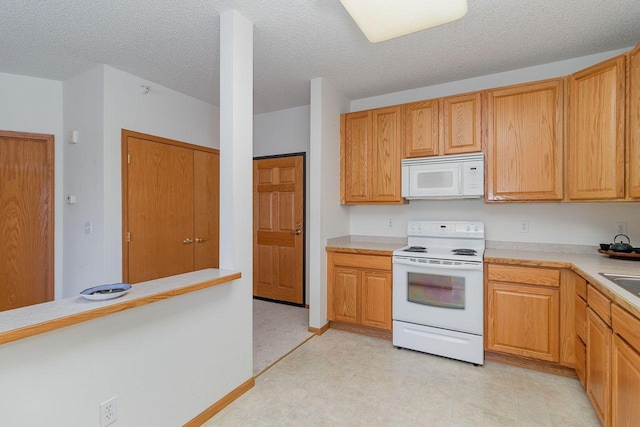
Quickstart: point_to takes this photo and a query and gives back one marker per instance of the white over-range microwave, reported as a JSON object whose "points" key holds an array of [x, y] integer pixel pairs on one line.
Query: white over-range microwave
{"points": [[443, 177]]}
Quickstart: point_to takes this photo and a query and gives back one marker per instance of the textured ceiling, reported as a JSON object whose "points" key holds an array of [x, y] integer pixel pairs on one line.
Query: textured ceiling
{"points": [[175, 43]]}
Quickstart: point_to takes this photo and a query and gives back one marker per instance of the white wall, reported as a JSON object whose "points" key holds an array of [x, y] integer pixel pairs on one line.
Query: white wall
{"points": [[166, 362], [327, 217], [28, 104], [562, 223], [84, 178], [284, 132]]}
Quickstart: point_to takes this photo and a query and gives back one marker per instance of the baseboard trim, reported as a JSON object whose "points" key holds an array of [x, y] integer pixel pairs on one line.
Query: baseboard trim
{"points": [[208, 413], [320, 331], [362, 330], [535, 365]]}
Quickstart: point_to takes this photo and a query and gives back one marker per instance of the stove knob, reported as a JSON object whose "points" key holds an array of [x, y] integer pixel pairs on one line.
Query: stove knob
{"points": [[468, 228], [475, 228]]}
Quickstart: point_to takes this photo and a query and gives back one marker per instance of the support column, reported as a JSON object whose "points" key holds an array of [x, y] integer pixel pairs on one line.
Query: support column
{"points": [[236, 143]]}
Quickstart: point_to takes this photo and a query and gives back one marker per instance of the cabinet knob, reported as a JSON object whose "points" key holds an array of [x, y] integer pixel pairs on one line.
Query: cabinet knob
{"points": [[199, 240], [187, 241]]}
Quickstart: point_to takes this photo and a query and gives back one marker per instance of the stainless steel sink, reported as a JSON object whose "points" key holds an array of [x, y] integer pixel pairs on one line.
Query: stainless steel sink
{"points": [[627, 282]]}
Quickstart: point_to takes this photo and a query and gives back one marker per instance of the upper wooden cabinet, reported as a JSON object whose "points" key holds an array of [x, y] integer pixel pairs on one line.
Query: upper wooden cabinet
{"points": [[462, 123], [595, 151], [355, 151], [421, 128], [633, 122], [370, 156], [525, 142], [443, 126]]}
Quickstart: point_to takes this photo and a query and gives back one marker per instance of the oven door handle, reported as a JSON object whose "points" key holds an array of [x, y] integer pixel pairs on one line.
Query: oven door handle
{"points": [[465, 266]]}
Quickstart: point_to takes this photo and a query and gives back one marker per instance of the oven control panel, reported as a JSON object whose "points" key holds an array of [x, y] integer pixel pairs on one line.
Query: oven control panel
{"points": [[446, 229]]}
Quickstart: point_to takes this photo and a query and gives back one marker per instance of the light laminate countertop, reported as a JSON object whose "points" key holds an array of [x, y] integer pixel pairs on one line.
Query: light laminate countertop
{"points": [[366, 245], [36, 319]]}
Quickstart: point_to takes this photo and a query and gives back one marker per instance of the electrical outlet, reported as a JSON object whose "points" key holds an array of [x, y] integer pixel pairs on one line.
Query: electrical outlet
{"points": [[109, 411], [621, 228], [523, 226], [389, 223]]}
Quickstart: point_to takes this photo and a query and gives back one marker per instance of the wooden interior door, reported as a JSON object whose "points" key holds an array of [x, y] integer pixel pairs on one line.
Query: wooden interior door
{"points": [[26, 219], [206, 187], [160, 210], [278, 229]]}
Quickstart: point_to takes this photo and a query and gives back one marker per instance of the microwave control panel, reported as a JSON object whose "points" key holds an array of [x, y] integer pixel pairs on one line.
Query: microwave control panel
{"points": [[473, 178]]}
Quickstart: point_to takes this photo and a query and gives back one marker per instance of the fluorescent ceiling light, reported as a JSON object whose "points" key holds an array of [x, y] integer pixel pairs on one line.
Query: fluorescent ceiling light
{"points": [[382, 20]]}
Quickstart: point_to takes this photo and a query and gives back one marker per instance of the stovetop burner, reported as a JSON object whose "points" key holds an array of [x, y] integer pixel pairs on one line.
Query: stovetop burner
{"points": [[416, 249], [468, 252]]}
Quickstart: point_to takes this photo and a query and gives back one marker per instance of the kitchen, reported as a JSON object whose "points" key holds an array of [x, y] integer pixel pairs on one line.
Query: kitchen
{"points": [[548, 223]]}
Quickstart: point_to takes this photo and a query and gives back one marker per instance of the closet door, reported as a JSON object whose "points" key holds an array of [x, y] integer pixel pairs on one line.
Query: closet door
{"points": [[206, 185], [160, 210], [26, 219]]}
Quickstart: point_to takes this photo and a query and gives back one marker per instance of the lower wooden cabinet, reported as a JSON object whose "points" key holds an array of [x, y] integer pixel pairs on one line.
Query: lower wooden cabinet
{"points": [[625, 373], [359, 289], [599, 366], [523, 320], [523, 308], [625, 368]]}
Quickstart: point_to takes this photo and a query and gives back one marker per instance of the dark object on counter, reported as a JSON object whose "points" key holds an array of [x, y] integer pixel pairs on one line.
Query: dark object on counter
{"points": [[605, 246], [636, 250], [621, 246], [631, 256]]}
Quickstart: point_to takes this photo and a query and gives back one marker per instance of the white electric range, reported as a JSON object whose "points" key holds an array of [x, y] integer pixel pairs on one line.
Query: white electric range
{"points": [[438, 295]]}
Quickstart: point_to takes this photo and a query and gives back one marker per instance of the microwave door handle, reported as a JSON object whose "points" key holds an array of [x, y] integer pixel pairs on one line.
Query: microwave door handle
{"points": [[460, 181]]}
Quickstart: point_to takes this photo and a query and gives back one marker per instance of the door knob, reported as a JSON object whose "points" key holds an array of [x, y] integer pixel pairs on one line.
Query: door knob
{"points": [[298, 228], [187, 241], [199, 240]]}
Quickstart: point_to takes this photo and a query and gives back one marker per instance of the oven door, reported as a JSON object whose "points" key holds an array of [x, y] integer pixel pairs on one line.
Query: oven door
{"points": [[442, 296]]}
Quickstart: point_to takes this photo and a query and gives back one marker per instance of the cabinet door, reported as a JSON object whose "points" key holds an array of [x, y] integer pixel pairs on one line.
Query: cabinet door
{"points": [[376, 299], [625, 373], [462, 123], [633, 122], [354, 157], [421, 129], [384, 165], [346, 291], [525, 142], [581, 361], [595, 152], [599, 366], [523, 320]]}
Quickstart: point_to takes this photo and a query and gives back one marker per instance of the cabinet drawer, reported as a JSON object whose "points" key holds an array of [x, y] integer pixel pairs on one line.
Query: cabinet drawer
{"points": [[581, 287], [528, 275], [377, 262], [581, 361], [581, 318], [599, 303], [626, 325]]}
